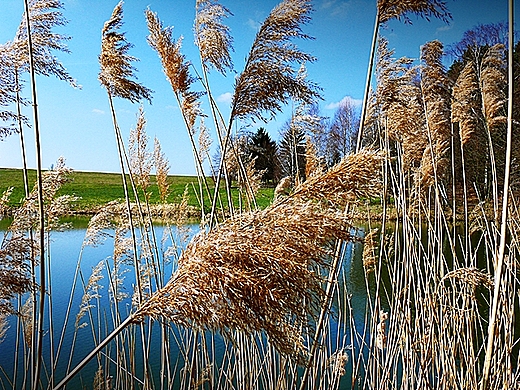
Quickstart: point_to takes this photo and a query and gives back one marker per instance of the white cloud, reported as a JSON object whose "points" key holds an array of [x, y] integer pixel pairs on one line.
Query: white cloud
{"points": [[253, 24], [98, 111], [327, 4], [225, 98], [334, 105], [337, 8], [447, 27]]}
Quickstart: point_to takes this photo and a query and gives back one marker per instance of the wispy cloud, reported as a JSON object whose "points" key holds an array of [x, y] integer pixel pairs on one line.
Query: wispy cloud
{"points": [[254, 24], [445, 28], [225, 98], [355, 102], [98, 111], [336, 8]]}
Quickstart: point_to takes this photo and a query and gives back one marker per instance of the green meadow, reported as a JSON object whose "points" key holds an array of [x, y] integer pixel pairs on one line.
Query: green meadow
{"points": [[94, 189]]}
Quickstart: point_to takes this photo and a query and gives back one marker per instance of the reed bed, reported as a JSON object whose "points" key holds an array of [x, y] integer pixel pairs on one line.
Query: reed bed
{"points": [[264, 298]]}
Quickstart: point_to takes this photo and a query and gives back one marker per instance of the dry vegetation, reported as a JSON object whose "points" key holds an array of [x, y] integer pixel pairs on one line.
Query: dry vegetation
{"points": [[271, 284]]}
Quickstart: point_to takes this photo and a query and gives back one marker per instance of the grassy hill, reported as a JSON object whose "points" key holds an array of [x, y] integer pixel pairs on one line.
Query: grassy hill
{"points": [[95, 189]]}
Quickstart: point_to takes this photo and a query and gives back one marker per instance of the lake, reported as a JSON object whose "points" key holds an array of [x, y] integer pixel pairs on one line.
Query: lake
{"points": [[194, 360]]}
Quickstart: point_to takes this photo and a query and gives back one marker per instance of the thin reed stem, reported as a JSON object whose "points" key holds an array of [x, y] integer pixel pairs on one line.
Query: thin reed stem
{"points": [[499, 262], [41, 299]]}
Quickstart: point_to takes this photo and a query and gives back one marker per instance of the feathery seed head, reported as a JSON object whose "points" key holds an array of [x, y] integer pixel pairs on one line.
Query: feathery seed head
{"points": [[44, 16], [212, 36], [397, 9], [269, 79], [116, 69], [162, 167], [140, 157], [175, 67]]}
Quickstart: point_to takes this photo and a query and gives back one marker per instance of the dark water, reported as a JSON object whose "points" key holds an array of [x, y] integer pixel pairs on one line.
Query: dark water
{"points": [[65, 252]]}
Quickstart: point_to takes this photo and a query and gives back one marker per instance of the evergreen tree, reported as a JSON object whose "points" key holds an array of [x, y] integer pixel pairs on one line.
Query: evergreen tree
{"points": [[263, 149]]}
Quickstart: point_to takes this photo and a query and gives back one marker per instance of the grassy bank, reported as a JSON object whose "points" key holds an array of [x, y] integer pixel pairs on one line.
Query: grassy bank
{"points": [[95, 189]]}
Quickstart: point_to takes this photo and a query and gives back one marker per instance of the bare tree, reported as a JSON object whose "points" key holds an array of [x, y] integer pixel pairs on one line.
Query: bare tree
{"points": [[342, 132]]}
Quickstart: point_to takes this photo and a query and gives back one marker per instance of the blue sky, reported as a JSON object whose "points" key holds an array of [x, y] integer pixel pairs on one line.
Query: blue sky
{"points": [[76, 123]]}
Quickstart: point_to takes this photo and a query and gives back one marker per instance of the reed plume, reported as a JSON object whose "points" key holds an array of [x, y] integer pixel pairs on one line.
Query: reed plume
{"points": [[91, 293], [493, 83], [254, 273], [398, 9], [466, 101], [4, 326], [436, 97], [269, 79], [15, 271], [100, 225], [258, 270], [162, 167], [18, 247], [369, 250], [4, 202], [175, 67], [212, 36], [356, 176], [141, 161], [313, 163], [8, 89], [44, 15], [205, 142], [399, 101], [262, 270], [117, 72], [26, 315], [283, 187]]}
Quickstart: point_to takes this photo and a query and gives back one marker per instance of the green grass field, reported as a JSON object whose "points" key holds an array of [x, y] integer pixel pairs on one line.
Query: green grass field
{"points": [[95, 189]]}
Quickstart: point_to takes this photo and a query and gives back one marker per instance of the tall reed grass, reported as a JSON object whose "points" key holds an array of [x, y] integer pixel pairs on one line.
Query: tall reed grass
{"points": [[261, 299]]}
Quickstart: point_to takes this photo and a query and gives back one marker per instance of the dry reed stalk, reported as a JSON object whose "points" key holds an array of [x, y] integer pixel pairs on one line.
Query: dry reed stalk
{"points": [[369, 251]]}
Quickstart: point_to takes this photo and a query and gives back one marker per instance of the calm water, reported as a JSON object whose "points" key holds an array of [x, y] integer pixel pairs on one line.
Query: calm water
{"points": [[65, 252]]}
